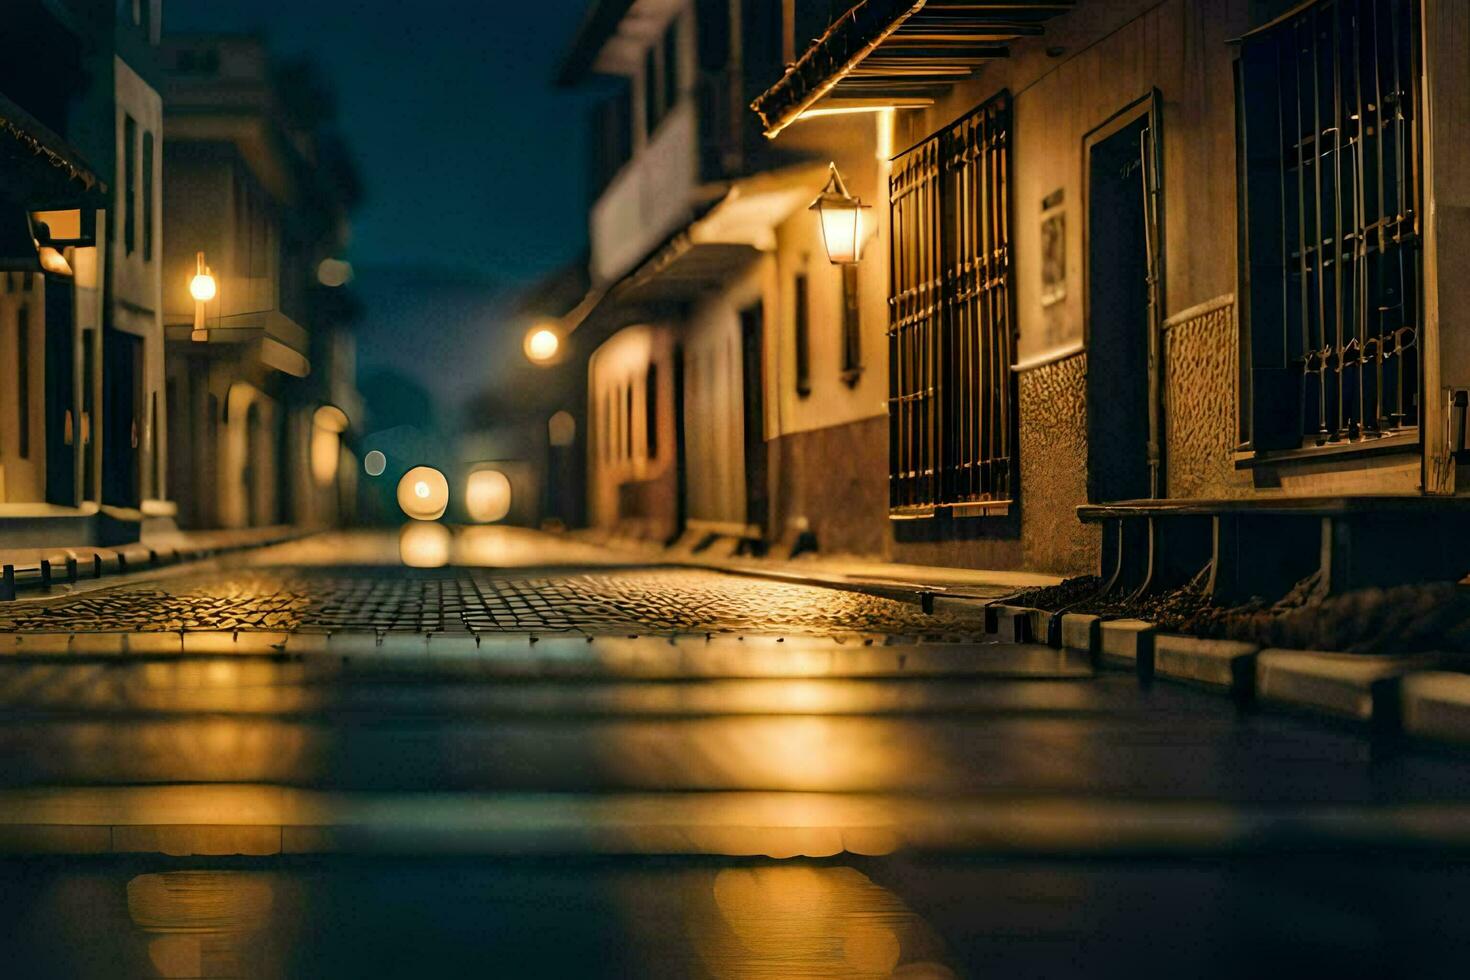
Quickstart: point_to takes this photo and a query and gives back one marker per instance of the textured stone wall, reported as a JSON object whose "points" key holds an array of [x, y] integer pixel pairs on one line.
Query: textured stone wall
{"points": [[1201, 407], [1053, 402], [836, 478]]}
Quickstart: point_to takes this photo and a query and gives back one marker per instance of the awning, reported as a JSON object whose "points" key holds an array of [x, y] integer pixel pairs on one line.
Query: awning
{"points": [[38, 169], [705, 254], [901, 53]]}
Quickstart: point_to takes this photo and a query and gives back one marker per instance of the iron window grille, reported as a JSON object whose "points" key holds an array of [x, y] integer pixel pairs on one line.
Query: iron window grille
{"points": [[951, 325], [1333, 184]]}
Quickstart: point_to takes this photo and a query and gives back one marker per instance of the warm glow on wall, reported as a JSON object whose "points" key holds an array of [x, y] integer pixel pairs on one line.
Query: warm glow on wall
{"points": [[326, 450], [487, 496], [423, 493]]}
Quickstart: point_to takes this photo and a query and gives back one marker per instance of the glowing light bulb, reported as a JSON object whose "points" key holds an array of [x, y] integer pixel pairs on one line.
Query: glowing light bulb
{"points": [[202, 287], [542, 344], [423, 493]]}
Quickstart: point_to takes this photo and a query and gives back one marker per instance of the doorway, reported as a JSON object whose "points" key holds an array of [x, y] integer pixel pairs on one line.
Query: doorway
{"points": [[63, 428], [757, 494], [122, 383], [1122, 296]]}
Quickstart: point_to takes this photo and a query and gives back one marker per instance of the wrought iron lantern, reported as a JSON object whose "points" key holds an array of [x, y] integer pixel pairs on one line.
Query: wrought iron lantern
{"points": [[842, 221]]}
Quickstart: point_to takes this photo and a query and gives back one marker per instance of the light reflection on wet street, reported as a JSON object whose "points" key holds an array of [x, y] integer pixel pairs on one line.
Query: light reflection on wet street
{"points": [[739, 806]]}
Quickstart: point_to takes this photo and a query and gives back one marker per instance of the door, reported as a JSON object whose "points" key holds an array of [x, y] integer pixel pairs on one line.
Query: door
{"points": [[757, 494], [63, 428], [1124, 458], [122, 418]]}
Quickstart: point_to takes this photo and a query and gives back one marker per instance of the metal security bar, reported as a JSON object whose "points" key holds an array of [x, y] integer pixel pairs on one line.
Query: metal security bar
{"points": [[1347, 82], [951, 404]]}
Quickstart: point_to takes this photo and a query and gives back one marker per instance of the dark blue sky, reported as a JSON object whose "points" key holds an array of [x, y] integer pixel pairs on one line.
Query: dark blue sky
{"points": [[471, 160], [472, 164]]}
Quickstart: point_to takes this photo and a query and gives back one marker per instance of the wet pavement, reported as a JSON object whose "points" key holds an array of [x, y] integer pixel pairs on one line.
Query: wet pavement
{"points": [[641, 771]]}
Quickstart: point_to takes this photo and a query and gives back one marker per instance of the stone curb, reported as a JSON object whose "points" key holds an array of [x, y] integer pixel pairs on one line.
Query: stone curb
{"points": [[74, 564], [1080, 632], [1127, 642], [1019, 624], [1351, 686], [1225, 664], [1435, 704]]}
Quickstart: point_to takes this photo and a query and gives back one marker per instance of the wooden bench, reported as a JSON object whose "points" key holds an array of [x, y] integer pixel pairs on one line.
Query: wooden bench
{"points": [[1262, 546]]}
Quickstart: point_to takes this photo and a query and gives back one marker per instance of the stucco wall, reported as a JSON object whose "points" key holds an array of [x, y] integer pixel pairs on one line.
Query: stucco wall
{"points": [[1053, 447], [629, 485], [1201, 402]]}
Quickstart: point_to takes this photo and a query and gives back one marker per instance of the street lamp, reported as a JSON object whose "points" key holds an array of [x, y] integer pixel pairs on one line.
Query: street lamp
{"points": [[842, 221], [543, 343], [202, 287]]}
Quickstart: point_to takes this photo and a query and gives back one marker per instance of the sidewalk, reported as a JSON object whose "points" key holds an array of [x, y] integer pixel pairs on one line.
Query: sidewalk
{"points": [[27, 568], [924, 583]]}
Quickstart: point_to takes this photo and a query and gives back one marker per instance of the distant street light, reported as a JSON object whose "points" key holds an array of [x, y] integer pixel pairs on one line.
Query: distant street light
{"points": [[842, 221], [203, 288], [423, 493], [542, 344]]}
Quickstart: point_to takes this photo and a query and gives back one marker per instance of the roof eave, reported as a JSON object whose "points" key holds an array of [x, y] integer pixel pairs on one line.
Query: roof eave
{"points": [[597, 27], [820, 68]]}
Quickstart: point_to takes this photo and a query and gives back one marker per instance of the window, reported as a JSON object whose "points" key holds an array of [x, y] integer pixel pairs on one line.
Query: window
{"points": [[650, 91], [23, 381], [951, 336], [802, 319], [1331, 162], [628, 421], [130, 183], [147, 196], [671, 67], [852, 350], [650, 411]]}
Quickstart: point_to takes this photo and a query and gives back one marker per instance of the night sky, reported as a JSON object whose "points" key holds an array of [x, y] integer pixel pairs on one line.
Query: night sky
{"points": [[471, 161]]}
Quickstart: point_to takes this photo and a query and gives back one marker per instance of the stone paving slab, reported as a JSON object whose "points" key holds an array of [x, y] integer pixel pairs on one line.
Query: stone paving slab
{"points": [[223, 819], [527, 655]]}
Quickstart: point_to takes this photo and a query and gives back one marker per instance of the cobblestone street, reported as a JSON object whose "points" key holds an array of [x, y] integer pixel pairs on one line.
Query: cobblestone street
{"points": [[598, 764], [621, 601]]}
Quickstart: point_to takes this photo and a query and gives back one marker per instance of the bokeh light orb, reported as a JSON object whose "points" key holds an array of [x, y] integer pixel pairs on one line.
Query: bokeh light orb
{"points": [[202, 287], [374, 463], [487, 496], [543, 344], [561, 429], [423, 493], [334, 272], [424, 544]]}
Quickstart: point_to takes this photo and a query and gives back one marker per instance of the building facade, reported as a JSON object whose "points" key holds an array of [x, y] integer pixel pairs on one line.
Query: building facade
{"points": [[1190, 255], [260, 368], [79, 335], [1147, 286]]}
